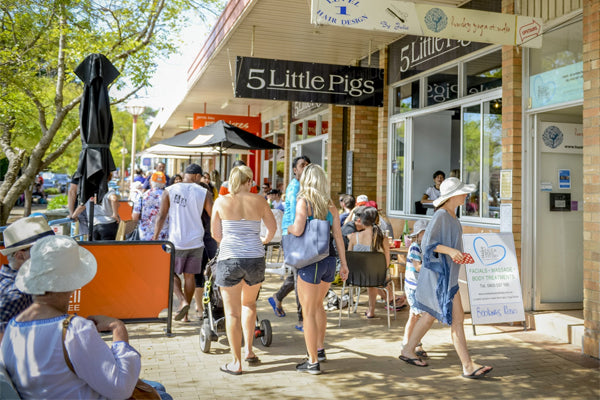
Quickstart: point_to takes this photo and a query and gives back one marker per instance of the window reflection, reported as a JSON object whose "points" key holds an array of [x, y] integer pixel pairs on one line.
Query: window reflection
{"points": [[442, 86], [484, 73]]}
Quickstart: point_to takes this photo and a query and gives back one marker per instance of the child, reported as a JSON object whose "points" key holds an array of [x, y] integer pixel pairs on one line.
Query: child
{"points": [[413, 266], [369, 239]]}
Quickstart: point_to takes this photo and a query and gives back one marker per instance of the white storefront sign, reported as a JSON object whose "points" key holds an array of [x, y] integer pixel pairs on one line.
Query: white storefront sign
{"points": [[410, 18], [493, 280], [557, 137]]}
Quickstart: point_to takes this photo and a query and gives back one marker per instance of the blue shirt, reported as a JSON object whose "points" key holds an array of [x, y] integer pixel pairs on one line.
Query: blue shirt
{"points": [[289, 214], [12, 300]]}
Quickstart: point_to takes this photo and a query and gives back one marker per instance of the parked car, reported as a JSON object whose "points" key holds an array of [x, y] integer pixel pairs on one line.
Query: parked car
{"points": [[62, 181]]}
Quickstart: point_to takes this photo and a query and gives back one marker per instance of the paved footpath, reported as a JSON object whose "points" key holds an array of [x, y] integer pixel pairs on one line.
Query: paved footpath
{"points": [[363, 362]]}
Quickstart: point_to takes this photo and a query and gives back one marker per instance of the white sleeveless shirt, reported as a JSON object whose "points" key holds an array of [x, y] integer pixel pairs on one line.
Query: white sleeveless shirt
{"points": [[185, 215]]}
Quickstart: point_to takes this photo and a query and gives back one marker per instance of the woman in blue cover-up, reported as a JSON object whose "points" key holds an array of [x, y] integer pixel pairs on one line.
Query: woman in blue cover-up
{"points": [[438, 280]]}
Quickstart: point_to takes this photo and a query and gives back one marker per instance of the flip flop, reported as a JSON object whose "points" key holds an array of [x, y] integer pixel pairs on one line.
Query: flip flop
{"points": [[226, 369], [369, 316], [474, 375], [412, 361], [277, 310], [181, 313], [422, 354], [299, 328], [252, 360]]}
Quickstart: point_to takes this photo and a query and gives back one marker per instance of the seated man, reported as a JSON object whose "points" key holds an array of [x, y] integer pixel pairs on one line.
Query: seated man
{"points": [[18, 238]]}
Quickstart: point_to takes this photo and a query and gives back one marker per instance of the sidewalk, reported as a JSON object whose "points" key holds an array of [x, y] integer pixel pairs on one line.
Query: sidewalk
{"points": [[363, 362]]}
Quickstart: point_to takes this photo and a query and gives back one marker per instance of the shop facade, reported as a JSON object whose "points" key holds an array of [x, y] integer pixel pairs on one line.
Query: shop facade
{"points": [[481, 112]]}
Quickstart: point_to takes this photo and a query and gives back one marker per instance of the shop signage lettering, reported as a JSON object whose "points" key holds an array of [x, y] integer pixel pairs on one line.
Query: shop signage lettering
{"points": [[430, 20], [300, 109], [308, 82], [412, 55]]}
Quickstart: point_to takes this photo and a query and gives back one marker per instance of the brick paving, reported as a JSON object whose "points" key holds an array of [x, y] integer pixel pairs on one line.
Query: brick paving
{"points": [[362, 362]]}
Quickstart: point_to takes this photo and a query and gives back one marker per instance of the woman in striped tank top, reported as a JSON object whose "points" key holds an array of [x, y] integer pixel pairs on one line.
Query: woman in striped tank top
{"points": [[240, 270]]}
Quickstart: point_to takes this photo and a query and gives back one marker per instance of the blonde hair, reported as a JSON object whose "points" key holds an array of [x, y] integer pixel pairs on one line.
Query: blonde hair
{"points": [[314, 188], [238, 177]]}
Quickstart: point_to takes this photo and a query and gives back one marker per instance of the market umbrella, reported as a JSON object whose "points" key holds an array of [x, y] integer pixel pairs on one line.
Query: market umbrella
{"points": [[95, 159], [222, 136]]}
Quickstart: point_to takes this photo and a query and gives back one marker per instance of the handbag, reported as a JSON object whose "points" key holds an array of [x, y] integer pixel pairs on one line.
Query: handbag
{"points": [[142, 391], [134, 235], [310, 247]]}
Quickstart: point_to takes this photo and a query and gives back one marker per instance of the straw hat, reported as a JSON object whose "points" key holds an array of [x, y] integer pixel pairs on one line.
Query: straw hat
{"points": [[57, 264], [452, 187], [23, 233]]}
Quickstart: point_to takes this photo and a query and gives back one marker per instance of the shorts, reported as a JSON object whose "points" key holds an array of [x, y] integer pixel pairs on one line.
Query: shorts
{"points": [[323, 270], [230, 272], [410, 297], [189, 261]]}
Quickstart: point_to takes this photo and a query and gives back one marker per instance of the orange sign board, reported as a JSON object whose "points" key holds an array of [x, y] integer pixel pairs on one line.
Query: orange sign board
{"points": [[132, 281], [250, 124]]}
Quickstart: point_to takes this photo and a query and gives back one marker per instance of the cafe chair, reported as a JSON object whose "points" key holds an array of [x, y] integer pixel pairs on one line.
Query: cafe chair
{"points": [[367, 269]]}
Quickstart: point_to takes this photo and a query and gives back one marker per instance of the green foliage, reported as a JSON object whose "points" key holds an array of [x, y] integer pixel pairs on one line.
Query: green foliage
{"points": [[41, 44], [52, 190], [57, 202]]}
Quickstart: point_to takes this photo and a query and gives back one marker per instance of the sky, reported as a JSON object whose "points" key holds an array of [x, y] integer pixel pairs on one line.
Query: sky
{"points": [[169, 80]]}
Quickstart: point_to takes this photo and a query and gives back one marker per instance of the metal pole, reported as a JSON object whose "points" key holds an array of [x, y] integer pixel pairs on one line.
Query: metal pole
{"points": [[133, 140]]}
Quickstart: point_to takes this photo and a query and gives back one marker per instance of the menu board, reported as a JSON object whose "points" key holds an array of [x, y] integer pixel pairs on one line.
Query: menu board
{"points": [[493, 279]]}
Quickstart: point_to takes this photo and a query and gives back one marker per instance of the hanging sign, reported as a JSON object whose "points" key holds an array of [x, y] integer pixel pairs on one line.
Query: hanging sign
{"points": [[260, 78], [410, 18], [250, 124], [493, 279]]}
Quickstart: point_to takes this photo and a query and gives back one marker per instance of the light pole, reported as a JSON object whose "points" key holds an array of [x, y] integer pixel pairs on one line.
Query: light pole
{"points": [[135, 109], [123, 153]]}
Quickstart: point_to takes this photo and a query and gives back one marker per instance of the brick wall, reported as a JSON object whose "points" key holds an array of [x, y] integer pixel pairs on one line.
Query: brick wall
{"points": [[363, 142], [382, 139], [591, 177], [511, 126], [335, 151]]}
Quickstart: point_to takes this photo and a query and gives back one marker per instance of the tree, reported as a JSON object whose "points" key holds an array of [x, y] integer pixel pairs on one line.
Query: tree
{"points": [[42, 42]]}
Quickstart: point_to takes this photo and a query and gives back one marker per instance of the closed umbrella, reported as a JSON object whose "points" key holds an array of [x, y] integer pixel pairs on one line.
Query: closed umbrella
{"points": [[95, 159], [222, 136]]}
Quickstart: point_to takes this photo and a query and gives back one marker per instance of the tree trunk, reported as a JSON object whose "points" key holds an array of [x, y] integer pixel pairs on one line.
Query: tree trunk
{"points": [[28, 200]]}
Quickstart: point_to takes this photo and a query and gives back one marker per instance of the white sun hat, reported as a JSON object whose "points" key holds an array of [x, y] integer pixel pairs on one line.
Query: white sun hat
{"points": [[23, 233], [452, 187], [57, 264], [419, 227]]}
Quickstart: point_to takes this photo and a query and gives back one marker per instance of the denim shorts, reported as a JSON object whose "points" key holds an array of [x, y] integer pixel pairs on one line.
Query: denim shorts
{"points": [[323, 270], [189, 261], [410, 297], [230, 272]]}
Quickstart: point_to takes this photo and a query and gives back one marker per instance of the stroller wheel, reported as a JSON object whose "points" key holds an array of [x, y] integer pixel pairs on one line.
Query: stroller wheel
{"points": [[267, 333], [205, 336]]}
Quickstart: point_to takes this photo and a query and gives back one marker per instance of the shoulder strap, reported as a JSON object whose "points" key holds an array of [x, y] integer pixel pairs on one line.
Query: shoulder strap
{"points": [[65, 324]]}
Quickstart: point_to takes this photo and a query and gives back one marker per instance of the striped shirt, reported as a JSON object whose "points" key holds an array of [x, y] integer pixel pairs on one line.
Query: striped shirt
{"points": [[241, 239]]}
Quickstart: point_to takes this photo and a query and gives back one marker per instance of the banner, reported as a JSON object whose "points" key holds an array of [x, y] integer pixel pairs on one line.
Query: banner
{"points": [[259, 78], [250, 124], [410, 18], [493, 280]]}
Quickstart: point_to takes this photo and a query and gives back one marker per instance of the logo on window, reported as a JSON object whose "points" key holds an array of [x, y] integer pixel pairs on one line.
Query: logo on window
{"points": [[436, 20], [552, 136]]}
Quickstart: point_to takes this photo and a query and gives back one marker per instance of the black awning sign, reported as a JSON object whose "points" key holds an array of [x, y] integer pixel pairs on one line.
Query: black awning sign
{"points": [[260, 78]]}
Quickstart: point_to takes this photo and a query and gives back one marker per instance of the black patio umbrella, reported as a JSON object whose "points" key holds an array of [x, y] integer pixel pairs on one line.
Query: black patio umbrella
{"points": [[222, 136], [95, 161]]}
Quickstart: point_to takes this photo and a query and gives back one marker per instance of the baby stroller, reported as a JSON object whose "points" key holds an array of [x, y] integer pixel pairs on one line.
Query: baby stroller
{"points": [[214, 315]]}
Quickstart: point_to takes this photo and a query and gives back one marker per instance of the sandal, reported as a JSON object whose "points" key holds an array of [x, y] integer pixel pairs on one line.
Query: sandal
{"points": [[277, 310]]}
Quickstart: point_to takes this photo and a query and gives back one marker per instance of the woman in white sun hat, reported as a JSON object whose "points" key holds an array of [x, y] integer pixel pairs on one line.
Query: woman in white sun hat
{"points": [[437, 284], [41, 341]]}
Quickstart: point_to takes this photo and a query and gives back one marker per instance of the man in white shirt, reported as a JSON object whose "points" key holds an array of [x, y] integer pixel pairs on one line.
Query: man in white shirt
{"points": [[183, 203]]}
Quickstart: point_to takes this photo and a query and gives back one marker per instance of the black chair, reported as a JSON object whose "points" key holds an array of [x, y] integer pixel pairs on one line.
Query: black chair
{"points": [[419, 208], [367, 269]]}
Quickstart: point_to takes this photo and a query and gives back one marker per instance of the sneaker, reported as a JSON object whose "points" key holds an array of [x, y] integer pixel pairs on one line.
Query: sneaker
{"points": [[321, 357], [307, 366]]}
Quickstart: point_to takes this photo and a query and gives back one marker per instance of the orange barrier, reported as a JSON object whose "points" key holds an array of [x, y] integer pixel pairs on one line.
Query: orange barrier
{"points": [[125, 210], [133, 281]]}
